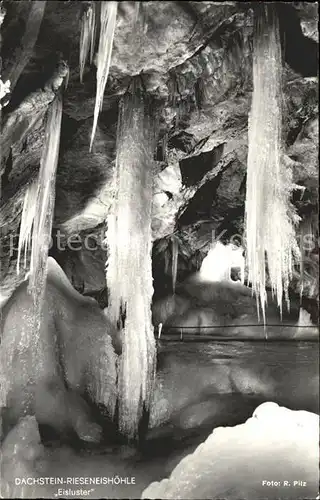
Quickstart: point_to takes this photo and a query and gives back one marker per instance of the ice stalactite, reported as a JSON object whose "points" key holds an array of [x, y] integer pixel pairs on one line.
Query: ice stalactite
{"points": [[269, 216], [44, 211], [27, 220], [108, 17], [87, 36], [175, 254], [35, 232], [129, 268]]}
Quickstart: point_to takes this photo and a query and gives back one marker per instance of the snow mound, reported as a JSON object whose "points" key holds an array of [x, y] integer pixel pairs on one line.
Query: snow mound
{"points": [[274, 454]]}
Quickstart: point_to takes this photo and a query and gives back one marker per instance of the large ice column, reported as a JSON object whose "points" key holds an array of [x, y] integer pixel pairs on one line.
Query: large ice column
{"points": [[129, 269], [269, 215]]}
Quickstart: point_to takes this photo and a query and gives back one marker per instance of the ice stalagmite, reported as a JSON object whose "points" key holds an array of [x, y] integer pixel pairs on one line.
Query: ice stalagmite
{"points": [[45, 199], [108, 17], [269, 215], [129, 269]]}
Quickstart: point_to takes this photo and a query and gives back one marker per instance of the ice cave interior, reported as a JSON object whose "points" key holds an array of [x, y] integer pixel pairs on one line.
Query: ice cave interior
{"points": [[159, 249]]}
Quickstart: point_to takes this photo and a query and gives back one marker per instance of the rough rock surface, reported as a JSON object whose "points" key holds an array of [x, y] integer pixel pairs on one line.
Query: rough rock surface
{"points": [[194, 59]]}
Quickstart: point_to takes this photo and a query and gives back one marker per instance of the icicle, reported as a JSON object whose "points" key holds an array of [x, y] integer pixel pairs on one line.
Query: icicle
{"points": [[270, 218], [175, 253], [42, 226], [87, 37], [108, 17], [27, 220], [129, 270]]}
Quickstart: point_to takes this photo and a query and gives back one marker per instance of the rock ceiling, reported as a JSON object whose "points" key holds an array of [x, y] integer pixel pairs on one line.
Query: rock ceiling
{"points": [[194, 63]]}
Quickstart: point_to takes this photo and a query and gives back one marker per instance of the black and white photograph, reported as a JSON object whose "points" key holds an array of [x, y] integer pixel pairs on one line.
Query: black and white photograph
{"points": [[159, 250]]}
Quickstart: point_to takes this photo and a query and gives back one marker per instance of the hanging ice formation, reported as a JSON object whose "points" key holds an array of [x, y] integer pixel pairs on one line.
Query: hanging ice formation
{"points": [[175, 254], [129, 268], [269, 216], [27, 220], [108, 17], [35, 233], [44, 207], [87, 36], [39, 199]]}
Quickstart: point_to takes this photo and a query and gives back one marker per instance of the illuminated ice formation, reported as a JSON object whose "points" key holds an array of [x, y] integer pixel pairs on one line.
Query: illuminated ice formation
{"points": [[217, 265]]}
